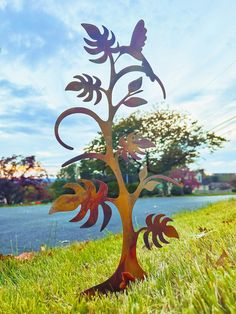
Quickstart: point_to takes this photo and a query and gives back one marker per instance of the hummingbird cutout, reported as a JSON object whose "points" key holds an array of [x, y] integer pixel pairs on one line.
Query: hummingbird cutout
{"points": [[135, 50]]}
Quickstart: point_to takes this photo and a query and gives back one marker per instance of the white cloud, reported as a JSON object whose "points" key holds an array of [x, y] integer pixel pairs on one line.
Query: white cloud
{"points": [[27, 41], [3, 4]]}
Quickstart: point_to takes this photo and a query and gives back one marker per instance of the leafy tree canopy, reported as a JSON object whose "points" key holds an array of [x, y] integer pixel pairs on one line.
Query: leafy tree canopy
{"points": [[177, 138], [66, 174], [21, 177]]}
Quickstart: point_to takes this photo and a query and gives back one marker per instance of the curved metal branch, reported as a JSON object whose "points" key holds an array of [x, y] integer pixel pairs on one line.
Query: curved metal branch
{"points": [[73, 111], [139, 68], [165, 178], [158, 176], [84, 156], [126, 70]]}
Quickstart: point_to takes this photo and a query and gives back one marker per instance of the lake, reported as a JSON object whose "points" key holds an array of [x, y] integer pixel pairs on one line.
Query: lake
{"points": [[26, 228]]}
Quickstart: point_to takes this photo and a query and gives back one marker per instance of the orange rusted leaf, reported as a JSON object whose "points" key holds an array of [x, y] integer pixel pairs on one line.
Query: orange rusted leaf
{"points": [[143, 174], [222, 260], [158, 228], [88, 198], [130, 146], [69, 202], [25, 256], [150, 186]]}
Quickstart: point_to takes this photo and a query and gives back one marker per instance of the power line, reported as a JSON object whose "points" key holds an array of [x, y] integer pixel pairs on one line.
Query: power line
{"points": [[222, 123], [212, 80], [229, 131], [225, 70]]}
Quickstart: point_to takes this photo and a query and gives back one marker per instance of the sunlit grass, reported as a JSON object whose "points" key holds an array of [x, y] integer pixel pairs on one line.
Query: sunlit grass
{"points": [[183, 277]]}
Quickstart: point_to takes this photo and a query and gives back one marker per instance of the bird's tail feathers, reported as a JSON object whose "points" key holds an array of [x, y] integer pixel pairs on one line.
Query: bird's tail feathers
{"points": [[153, 77]]}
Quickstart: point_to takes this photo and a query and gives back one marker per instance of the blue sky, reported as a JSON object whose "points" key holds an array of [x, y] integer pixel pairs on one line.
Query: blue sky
{"points": [[191, 45]]}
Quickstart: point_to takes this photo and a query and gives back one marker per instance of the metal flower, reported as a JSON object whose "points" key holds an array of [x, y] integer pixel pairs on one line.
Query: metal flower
{"points": [[131, 145], [88, 198], [100, 42], [158, 228], [88, 87]]}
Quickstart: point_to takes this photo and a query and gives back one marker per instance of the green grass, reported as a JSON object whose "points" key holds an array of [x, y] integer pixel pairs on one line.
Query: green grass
{"points": [[182, 277]]}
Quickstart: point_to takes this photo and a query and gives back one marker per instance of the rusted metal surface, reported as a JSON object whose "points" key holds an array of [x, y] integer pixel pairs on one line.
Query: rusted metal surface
{"points": [[88, 197]]}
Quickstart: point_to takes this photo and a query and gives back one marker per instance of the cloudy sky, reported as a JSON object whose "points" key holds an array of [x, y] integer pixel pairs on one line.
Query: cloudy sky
{"points": [[191, 45]]}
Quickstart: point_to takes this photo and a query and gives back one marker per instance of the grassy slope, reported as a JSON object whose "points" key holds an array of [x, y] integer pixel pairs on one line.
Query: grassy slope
{"points": [[181, 278]]}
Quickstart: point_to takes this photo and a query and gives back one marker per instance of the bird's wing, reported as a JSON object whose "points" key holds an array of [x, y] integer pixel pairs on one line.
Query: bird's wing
{"points": [[139, 36]]}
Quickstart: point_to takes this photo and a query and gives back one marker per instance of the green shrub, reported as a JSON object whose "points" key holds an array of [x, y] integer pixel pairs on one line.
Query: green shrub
{"points": [[176, 190]]}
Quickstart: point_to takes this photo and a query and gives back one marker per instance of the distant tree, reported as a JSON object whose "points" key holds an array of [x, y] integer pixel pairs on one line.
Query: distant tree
{"points": [[65, 175], [233, 183], [22, 178], [177, 138], [187, 178], [69, 173]]}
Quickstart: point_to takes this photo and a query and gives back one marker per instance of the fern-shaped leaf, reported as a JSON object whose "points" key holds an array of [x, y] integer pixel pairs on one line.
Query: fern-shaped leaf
{"points": [[100, 43], [92, 30], [87, 87], [158, 228], [130, 146], [89, 199]]}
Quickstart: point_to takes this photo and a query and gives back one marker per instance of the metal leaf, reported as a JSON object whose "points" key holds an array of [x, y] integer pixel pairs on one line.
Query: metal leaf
{"points": [[150, 186], [83, 93], [135, 85], [91, 30], [171, 232], [135, 102], [149, 219], [102, 59], [158, 228], [107, 215], [146, 241], [144, 143], [74, 86], [81, 214], [69, 202], [99, 97], [90, 42], [143, 174], [93, 217], [93, 51], [89, 97], [88, 87]]}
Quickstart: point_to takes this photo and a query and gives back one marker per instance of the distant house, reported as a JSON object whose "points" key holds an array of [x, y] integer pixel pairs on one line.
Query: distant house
{"points": [[203, 181], [224, 177], [222, 181], [186, 177], [3, 200], [200, 182], [216, 181], [220, 186]]}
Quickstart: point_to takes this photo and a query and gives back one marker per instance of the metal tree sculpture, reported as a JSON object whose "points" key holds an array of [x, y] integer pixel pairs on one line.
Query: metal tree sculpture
{"points": [[86, 195]]}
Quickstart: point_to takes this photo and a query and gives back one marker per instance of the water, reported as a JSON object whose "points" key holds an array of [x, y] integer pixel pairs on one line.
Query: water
{"points": [[28, 227]]}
